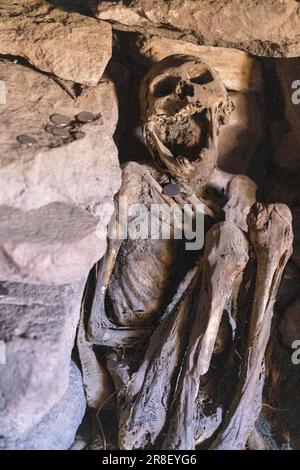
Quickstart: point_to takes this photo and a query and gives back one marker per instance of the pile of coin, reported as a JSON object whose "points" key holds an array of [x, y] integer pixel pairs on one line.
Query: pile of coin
{"points": [[66, 128], [62, 127]]}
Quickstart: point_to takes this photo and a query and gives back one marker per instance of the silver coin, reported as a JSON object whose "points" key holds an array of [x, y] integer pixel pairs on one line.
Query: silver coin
{"points": [[59, 131], [60, 120], [172, 190], [85, 117], [26, 139]]}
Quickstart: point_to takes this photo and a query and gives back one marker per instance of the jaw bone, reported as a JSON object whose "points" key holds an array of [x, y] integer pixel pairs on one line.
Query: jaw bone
{"points": [[194, 163]]}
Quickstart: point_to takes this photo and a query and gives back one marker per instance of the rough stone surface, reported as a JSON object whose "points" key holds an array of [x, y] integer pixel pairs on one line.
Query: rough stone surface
{"points": [[69, 45], [237, 69], [53, 196], [58, 427], [53, 211], [55, 243], [269, 28], [38, 325]]}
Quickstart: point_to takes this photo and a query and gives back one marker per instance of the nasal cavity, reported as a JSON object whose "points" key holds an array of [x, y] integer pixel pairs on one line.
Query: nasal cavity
{"points": [[186, 90]]}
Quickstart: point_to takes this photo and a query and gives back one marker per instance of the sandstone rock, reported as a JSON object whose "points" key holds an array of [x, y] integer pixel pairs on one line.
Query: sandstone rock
{"points": [[55, 204], [53, 194], [55, 170], [269, 28], [287, 151], [58, 427], [38, 326], [237, 69], [69, 45], [56, 243]]}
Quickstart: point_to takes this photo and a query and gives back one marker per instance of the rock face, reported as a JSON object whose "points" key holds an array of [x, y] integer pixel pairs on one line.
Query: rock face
{"points": [[56, 243], [68, 45], [237, 69], [56, 200], [53, 193], [58, 427], [38, 326], [269, 28]]}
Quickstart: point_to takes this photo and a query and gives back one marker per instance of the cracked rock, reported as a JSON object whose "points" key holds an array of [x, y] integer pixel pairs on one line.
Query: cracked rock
{"points": [[38, 325], [53, 209], [57, 429], [270, 28], [238, 70], [66, 44]]}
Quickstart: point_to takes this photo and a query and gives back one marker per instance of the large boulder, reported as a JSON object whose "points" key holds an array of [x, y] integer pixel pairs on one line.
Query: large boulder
{"points": [[268, 28], [238, 70], [66, 44], [56, 195], [56, 200], [57, 429], [38, 326]]}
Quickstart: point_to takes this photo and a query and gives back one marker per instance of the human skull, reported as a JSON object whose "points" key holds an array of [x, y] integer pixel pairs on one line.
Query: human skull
{"points": [[183, 103]]}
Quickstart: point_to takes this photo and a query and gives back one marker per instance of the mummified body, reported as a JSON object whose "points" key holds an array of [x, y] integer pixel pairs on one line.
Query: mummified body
{"points": [[165, 313]]}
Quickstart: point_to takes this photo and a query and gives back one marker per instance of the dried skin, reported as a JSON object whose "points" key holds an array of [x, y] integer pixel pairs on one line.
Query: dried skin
{"points": [[145, 399], [225, 258], [152, 299], [183, 104], [271, 236]]}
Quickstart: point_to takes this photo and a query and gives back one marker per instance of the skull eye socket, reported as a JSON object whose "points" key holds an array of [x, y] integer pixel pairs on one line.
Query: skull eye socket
{"points": [[166, 87], [203, 79]]}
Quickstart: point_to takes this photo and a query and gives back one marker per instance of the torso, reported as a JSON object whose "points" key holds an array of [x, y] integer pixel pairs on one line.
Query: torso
{"points": [[147, 272]]}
